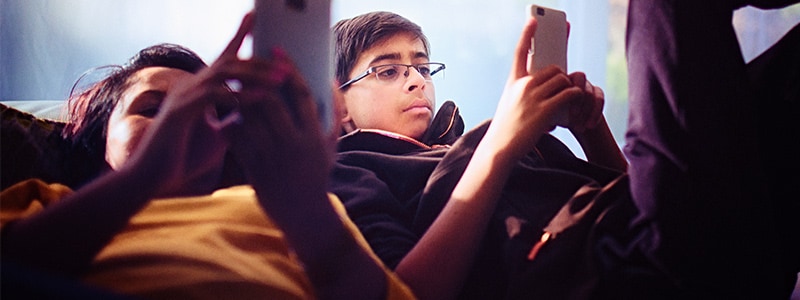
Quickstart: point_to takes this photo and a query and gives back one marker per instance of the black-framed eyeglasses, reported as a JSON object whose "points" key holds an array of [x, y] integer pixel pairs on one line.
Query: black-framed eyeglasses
{"points": [[391, 72]]}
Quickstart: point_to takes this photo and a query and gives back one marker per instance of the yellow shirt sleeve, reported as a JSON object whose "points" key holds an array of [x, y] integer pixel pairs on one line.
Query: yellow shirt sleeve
{"points": [[29, 197], [395, 288]]}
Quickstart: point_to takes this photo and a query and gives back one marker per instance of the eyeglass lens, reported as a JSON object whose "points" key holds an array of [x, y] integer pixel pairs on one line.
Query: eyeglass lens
{"points": [[392, 72]]}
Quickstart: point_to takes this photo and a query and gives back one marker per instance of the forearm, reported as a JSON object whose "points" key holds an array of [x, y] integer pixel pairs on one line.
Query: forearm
{"points": [[437, 266], [600, 147], [332, 258], [64, 238]]}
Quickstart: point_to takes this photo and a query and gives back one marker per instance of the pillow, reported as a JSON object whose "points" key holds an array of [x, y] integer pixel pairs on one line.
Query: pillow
{"points": [[32, 147], [43, 109]]}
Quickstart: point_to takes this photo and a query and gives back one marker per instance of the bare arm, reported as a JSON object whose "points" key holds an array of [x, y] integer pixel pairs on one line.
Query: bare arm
{"points": [[589, 126], [288, 163], [600, 147], [437, 266], [65, 237]]}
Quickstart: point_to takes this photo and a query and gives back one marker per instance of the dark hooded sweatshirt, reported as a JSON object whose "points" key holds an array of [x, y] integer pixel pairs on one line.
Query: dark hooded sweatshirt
{"points": [[394, 187]]}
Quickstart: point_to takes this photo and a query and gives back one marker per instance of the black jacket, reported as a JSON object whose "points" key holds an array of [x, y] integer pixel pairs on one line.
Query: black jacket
{"points": [[394, 188]]}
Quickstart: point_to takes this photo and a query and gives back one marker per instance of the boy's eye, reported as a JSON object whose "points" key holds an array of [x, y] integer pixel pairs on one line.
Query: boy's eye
{"points": [[424, 70], [387, 72]]}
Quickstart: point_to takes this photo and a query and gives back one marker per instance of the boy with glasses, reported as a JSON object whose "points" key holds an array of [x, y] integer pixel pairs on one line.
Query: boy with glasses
{"points": [[423, 201], [704, 215]]}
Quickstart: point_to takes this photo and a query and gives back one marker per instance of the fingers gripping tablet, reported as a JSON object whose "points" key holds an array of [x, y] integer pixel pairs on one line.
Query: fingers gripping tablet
{"points": [[302, 29]]}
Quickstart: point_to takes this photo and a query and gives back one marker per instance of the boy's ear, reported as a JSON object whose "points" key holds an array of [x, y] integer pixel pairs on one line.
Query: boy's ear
{"points": [[340, 111], [344, 117], [346, 121]]}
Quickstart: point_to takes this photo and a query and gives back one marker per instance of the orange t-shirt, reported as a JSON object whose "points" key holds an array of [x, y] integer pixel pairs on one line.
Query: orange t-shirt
{"points": [[207, 247]]}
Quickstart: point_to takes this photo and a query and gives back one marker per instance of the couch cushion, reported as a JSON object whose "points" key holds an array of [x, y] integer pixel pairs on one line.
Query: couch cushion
{"points": [[44, 109], [32, 147]]}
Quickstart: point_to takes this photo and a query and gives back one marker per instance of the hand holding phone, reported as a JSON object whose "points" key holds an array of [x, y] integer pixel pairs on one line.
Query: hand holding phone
{"points": [[549, 46]]}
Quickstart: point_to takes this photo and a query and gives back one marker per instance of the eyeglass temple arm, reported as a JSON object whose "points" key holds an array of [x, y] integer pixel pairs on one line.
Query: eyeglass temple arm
{"points": [[440, 68], [351, 81]]}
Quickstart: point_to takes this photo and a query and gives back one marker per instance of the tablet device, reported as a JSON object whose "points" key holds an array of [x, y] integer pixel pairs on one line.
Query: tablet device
{"points": [[303, 29]]}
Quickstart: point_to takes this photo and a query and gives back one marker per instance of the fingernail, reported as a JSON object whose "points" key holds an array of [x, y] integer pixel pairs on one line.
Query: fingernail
{"points": [[233, 118], [277, 75]]}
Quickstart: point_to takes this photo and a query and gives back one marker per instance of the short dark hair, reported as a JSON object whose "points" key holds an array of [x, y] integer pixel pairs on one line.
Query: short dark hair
{"points": [[358, 34], [89, 110]]}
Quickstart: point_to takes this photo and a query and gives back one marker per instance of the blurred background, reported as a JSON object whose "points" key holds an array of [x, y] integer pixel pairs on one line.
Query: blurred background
{"points": [[45, 45]]}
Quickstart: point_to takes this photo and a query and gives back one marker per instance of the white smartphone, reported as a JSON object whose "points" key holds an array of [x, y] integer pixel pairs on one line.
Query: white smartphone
{"points": [[549, 43], [549, 46], [303, 29]]}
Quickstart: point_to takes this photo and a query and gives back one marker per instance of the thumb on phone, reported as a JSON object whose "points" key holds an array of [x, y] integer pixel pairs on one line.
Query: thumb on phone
{"points": [[519, 68], [232, 50]]}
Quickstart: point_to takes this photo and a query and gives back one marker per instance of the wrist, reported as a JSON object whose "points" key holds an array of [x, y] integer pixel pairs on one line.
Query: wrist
{"points": [[597, 132], [333, 259], [506, 146], [145, 181]]}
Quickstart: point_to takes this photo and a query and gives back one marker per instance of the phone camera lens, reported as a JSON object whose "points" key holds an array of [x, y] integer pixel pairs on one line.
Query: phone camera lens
{"points": [[298, 5], [540, 11]]}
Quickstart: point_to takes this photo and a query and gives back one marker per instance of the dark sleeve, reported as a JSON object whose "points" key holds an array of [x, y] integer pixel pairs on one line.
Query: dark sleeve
{"points": [[775, 76], [377, 213], [691, 139]]}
